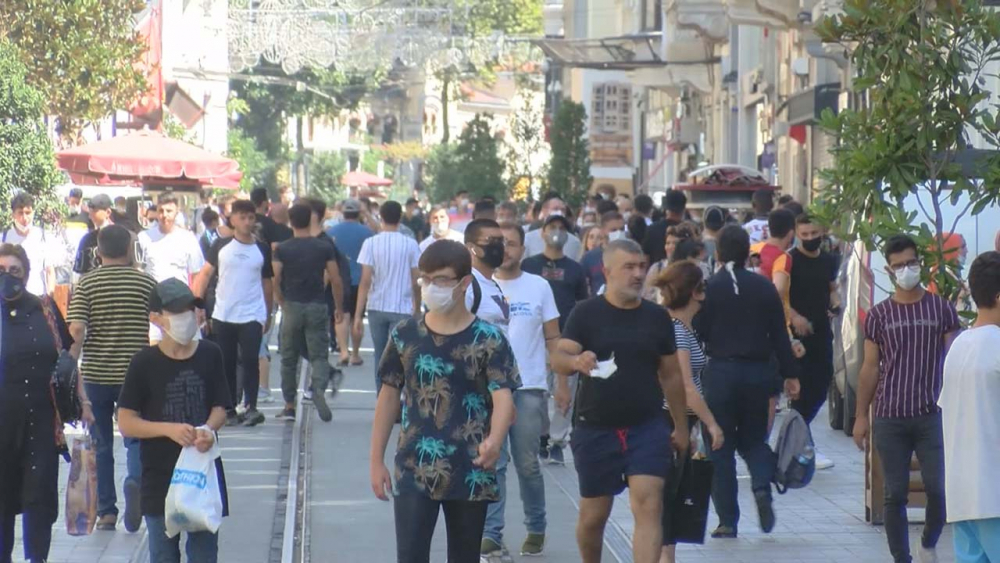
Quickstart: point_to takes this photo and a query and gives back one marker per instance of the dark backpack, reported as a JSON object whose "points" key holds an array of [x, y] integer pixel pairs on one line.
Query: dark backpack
{"points": [[795, 453]]}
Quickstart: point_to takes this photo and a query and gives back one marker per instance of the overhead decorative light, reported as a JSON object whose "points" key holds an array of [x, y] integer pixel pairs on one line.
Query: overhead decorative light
{"points": [[353, 35]]}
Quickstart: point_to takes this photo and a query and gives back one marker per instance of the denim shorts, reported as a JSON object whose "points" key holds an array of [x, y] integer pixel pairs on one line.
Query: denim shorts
{"points": [[605, 457]]}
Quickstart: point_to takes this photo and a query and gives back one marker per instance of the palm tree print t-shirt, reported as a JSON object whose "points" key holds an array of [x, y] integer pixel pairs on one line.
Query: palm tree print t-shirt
{"points": [[447, 384]]}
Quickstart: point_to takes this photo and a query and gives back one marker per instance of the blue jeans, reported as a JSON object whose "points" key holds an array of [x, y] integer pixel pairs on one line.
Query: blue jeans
{"points": [[531, 405], [202, 547], [738, 394], [977, 541], [102, 432], [381, 324]]}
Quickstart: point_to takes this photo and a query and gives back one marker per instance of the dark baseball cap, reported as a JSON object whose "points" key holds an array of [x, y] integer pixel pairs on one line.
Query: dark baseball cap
{"points": [[172, 296], [100, 201], [560, 218]]}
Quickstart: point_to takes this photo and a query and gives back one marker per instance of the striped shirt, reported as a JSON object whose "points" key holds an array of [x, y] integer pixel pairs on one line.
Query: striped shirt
{"points": [[392, 257], [113, 301], [911, 342], [687, 340]]}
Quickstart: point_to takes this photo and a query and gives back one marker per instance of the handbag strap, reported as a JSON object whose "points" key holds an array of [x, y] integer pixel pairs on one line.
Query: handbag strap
{"points": [[50, 319]]}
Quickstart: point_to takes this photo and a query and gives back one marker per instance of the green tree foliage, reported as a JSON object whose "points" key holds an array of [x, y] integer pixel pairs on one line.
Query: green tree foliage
{"points": [[442, 173], [325, 171], [80, 55], [569, 171], [254, 164], [512, 17], [524, 144], [920, 69], [27, 161], [473, 164], [319, 92]]}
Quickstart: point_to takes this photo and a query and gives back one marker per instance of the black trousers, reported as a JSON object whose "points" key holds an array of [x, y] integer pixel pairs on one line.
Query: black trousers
{"points": [[416, 517], [37, 536], [816, 369], [240, 340]]}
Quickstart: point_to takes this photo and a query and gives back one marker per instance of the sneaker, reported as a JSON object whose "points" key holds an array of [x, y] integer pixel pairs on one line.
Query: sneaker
{"points": [[490, 547], [556, 455], [823, 462], [264, 396], [927, 554], [307, 395], [322, 409], [336, 380], [286, 413], [107, 523], [543, 448], [133, 510], [533, 545], [724, 532], [234, 419], [253, 418], [765, 510]]}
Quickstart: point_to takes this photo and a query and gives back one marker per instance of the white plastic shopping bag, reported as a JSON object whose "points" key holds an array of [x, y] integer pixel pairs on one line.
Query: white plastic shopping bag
{"points": [[194, 499]]}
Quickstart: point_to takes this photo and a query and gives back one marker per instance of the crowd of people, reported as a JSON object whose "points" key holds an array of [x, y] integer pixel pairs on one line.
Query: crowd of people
{"points": [[618, 330]]}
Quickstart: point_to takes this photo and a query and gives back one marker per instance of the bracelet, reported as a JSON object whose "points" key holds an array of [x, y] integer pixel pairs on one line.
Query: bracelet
{"points": [[88, 404]]}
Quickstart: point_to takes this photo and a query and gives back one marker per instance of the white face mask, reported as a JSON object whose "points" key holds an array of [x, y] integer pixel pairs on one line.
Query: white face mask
{"points": [[440, 228], [183, 327], [907, 278], [616, 235], [437, 299]]}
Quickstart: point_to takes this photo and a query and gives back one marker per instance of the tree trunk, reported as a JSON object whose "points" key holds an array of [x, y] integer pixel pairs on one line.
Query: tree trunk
{"points": [[445, 94], [299, 166]]}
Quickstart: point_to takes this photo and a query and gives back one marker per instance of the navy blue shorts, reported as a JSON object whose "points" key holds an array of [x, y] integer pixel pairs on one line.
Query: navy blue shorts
{"points": [[606, 457]]}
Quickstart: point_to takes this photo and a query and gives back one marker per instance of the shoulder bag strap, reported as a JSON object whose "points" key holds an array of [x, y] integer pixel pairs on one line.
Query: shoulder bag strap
{"points": [[50, 319]]}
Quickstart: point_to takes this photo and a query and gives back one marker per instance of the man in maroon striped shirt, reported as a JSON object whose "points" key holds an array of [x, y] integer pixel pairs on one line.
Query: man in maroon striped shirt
{"points": [[906, 337]]}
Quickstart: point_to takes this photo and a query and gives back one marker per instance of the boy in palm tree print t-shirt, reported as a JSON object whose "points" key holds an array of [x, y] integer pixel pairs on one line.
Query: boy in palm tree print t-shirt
{"points": [[446, 382]]}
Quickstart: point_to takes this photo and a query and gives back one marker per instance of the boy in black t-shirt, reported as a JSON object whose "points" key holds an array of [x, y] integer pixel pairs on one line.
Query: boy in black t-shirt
{"points": [[620, 436], [174, 396], [813, 299], [299, 267]]}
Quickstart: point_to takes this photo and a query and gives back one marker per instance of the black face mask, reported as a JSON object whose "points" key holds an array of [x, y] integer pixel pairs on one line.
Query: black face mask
{"points": [[493, 254], [11, 287], [812, 245]]}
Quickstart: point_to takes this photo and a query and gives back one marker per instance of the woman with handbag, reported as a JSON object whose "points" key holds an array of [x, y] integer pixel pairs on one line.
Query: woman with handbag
{"points": [[682, 289], [30, 429]]}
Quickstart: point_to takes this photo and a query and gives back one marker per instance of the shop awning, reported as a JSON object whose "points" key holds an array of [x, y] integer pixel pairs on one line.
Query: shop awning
{"points": [[626, 52]]}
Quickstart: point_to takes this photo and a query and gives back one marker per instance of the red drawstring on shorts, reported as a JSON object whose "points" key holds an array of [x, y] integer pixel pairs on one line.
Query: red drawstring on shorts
{"points": [[623, 438]]}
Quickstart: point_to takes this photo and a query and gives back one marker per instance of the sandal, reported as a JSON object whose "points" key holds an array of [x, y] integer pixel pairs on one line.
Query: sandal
{"points": [[342, 362], [360, 362]]}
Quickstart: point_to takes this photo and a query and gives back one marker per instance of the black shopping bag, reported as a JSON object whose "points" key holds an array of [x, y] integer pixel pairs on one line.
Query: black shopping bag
{"points": [[689, 510]]}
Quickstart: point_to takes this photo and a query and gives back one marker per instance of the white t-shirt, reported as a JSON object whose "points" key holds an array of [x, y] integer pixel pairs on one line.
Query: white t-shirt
{"points": [[39, 256], [534, 244], [174, 255], [758, 230], [450, 235], [493, 306], [531, 306], [239, 294], [392, 257], [971, 420]]}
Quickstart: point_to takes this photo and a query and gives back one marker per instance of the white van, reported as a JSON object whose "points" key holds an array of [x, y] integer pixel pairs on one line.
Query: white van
{"points": [[864, 283]]}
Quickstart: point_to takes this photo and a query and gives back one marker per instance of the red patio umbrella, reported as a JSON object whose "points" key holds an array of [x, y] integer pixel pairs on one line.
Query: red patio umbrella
{"points": [[363, 179], [148, 156]]}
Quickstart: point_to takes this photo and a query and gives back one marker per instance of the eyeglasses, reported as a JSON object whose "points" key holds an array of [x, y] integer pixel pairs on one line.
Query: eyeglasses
{"points": [[439, 281], [16, 271], [912, 264]]}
